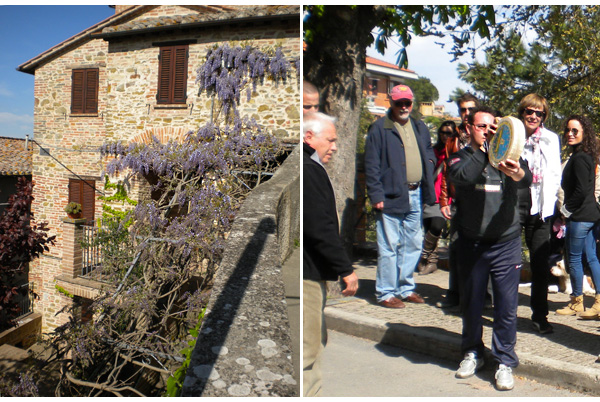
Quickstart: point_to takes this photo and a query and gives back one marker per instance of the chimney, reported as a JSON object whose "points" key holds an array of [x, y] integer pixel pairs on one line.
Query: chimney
{"points": [[120, 8]]}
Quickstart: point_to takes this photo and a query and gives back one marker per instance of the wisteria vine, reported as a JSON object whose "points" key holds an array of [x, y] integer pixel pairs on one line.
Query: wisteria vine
{"points": [[176, 234], [228, 70]]}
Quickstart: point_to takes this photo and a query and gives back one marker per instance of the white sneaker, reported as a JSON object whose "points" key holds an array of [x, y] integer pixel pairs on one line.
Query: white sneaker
{"points": [[469, 365], [504, 378]]}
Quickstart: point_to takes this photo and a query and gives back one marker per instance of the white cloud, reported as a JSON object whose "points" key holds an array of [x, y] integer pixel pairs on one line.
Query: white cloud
{"points": [[12, 125], [5, 91], [11, 118]]}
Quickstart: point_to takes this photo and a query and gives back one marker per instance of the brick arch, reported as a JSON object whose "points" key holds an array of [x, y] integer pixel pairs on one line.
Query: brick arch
{"points": [[164, 134]]}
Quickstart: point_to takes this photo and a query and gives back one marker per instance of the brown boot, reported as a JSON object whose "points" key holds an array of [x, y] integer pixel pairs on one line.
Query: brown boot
{"points": [[431, 263], [429, 256], [574, 307], [593, 312]]}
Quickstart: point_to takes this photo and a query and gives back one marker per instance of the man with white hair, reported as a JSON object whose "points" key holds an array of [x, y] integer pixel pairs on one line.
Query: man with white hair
{"points": [[325, 257]]}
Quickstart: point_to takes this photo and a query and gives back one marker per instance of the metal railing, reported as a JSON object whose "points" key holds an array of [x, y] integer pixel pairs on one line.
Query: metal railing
{"points": [[91, 253], [25, 301]]}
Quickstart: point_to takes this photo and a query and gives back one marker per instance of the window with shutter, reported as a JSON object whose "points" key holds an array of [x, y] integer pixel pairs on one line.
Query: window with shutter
{"points": [[172, 74], [84, 91], [84, 193]]}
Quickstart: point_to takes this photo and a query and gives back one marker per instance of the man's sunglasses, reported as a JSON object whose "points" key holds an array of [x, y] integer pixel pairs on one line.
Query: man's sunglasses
{"points": [[464, 109], [482, 126], [403, 103], [539, 114]]}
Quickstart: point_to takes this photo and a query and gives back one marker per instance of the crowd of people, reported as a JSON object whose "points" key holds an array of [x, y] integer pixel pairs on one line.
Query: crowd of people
{"points": [[418, 189]]}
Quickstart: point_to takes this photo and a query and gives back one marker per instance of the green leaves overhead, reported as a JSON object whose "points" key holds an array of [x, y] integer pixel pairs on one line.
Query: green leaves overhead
{"points": [[406, 21], [561, 62]]}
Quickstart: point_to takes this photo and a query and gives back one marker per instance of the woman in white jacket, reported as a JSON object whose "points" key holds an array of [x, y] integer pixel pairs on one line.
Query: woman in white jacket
{"points": [[536, 204]]}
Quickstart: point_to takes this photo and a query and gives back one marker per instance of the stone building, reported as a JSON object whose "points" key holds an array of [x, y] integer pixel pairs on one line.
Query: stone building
{"points": [[131, 77]]}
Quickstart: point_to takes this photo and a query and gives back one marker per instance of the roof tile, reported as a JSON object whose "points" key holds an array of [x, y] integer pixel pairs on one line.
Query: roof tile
{"points": [[14, 159]]}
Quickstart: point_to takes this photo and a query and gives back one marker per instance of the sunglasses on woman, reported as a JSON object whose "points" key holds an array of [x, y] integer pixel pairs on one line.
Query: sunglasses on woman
{"points": [[539, 114], [574, 130]]}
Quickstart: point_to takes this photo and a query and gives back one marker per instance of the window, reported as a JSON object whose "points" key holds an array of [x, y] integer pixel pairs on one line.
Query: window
{"points": [[172, 74], [83, 192], [84, 91], [373, 84]]}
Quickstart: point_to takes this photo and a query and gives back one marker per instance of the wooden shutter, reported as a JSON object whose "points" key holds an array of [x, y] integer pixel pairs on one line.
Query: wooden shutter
{"points": [[84, 92], [180, 74], [85, 195], [77, 79], [172, 74], [91, 91]]}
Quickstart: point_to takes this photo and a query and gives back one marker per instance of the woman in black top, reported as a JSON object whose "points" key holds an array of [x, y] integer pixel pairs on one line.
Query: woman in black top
{"points": [[580, 209]]}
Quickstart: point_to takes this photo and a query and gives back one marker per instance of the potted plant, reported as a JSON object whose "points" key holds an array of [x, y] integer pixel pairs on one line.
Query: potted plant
{"points": [[73, 210]]}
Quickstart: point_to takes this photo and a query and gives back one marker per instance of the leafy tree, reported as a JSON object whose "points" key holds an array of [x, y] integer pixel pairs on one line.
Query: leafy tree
{"points": [[158, 270], [561, 64], [335, 61], [424, 90], [21, 240]]}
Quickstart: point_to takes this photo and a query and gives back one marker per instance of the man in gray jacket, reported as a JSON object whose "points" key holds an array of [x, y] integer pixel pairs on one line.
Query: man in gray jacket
{"points": [[399, 164]]}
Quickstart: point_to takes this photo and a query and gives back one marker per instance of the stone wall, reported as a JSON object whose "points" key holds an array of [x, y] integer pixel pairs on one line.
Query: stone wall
{"points": [[244, 346], [127, 111]]}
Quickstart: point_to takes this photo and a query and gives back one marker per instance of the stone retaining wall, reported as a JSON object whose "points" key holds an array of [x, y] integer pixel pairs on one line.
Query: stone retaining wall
{"points": [[244, 346]]}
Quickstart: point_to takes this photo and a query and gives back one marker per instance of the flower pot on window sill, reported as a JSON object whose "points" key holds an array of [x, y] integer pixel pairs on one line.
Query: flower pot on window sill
{"points": [[78, 215]]}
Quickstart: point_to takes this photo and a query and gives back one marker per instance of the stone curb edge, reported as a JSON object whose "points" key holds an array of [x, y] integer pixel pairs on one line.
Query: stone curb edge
{"points": [[432, 342]]}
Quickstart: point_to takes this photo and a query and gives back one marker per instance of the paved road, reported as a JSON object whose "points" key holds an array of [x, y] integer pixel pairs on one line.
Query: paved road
{"points": [[354, 367]]}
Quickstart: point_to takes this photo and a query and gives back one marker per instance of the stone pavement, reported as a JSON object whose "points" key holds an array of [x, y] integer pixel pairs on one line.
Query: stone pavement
{"points": [[567, 357]]}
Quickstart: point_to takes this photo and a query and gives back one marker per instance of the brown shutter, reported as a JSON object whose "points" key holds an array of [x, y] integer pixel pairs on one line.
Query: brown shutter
{"points": [[89, 199], [164, 75], [172, 74], [84, 91], [84, 194], [180, 74], [74, 191], [77, 79], [91, 91]]}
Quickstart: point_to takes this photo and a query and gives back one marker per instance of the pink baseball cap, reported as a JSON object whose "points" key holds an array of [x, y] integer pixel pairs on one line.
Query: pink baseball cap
{"points": [[401, 92]]}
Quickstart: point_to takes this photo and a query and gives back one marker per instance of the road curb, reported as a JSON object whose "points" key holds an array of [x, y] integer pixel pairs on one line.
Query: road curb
{"points": [[430, 341]]}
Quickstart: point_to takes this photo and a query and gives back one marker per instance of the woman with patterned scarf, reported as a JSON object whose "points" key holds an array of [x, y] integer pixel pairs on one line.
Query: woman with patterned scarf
{"points": [[536, 204]]}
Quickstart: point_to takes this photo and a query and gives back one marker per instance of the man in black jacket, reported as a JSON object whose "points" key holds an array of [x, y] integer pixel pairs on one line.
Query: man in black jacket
{"points": [[399, 165], [489, 244], [324, 255]]}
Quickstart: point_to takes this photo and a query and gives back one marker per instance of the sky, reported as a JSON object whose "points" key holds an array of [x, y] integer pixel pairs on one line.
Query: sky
{"points": [[25, 32]]}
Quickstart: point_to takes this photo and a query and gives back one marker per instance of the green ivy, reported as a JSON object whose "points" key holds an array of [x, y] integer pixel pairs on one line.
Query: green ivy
{"points": [[64, 291], [175, 381], [120, 195]]}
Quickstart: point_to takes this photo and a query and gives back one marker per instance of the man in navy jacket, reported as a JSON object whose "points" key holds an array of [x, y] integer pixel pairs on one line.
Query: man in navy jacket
{"points": [[399, 163], [489, 245], [323, 252]]}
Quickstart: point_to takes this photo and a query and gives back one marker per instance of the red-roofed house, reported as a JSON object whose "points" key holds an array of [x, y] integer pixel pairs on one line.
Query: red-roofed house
{"points": [[15, 161], [380, 78]]}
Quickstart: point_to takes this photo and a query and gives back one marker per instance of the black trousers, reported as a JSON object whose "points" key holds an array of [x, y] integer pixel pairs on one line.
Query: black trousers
{"points": [[537, 238]]}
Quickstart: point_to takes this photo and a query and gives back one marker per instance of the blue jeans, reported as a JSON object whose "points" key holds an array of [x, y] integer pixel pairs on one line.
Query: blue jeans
{"points": [[399, 244], [581, 237]]}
